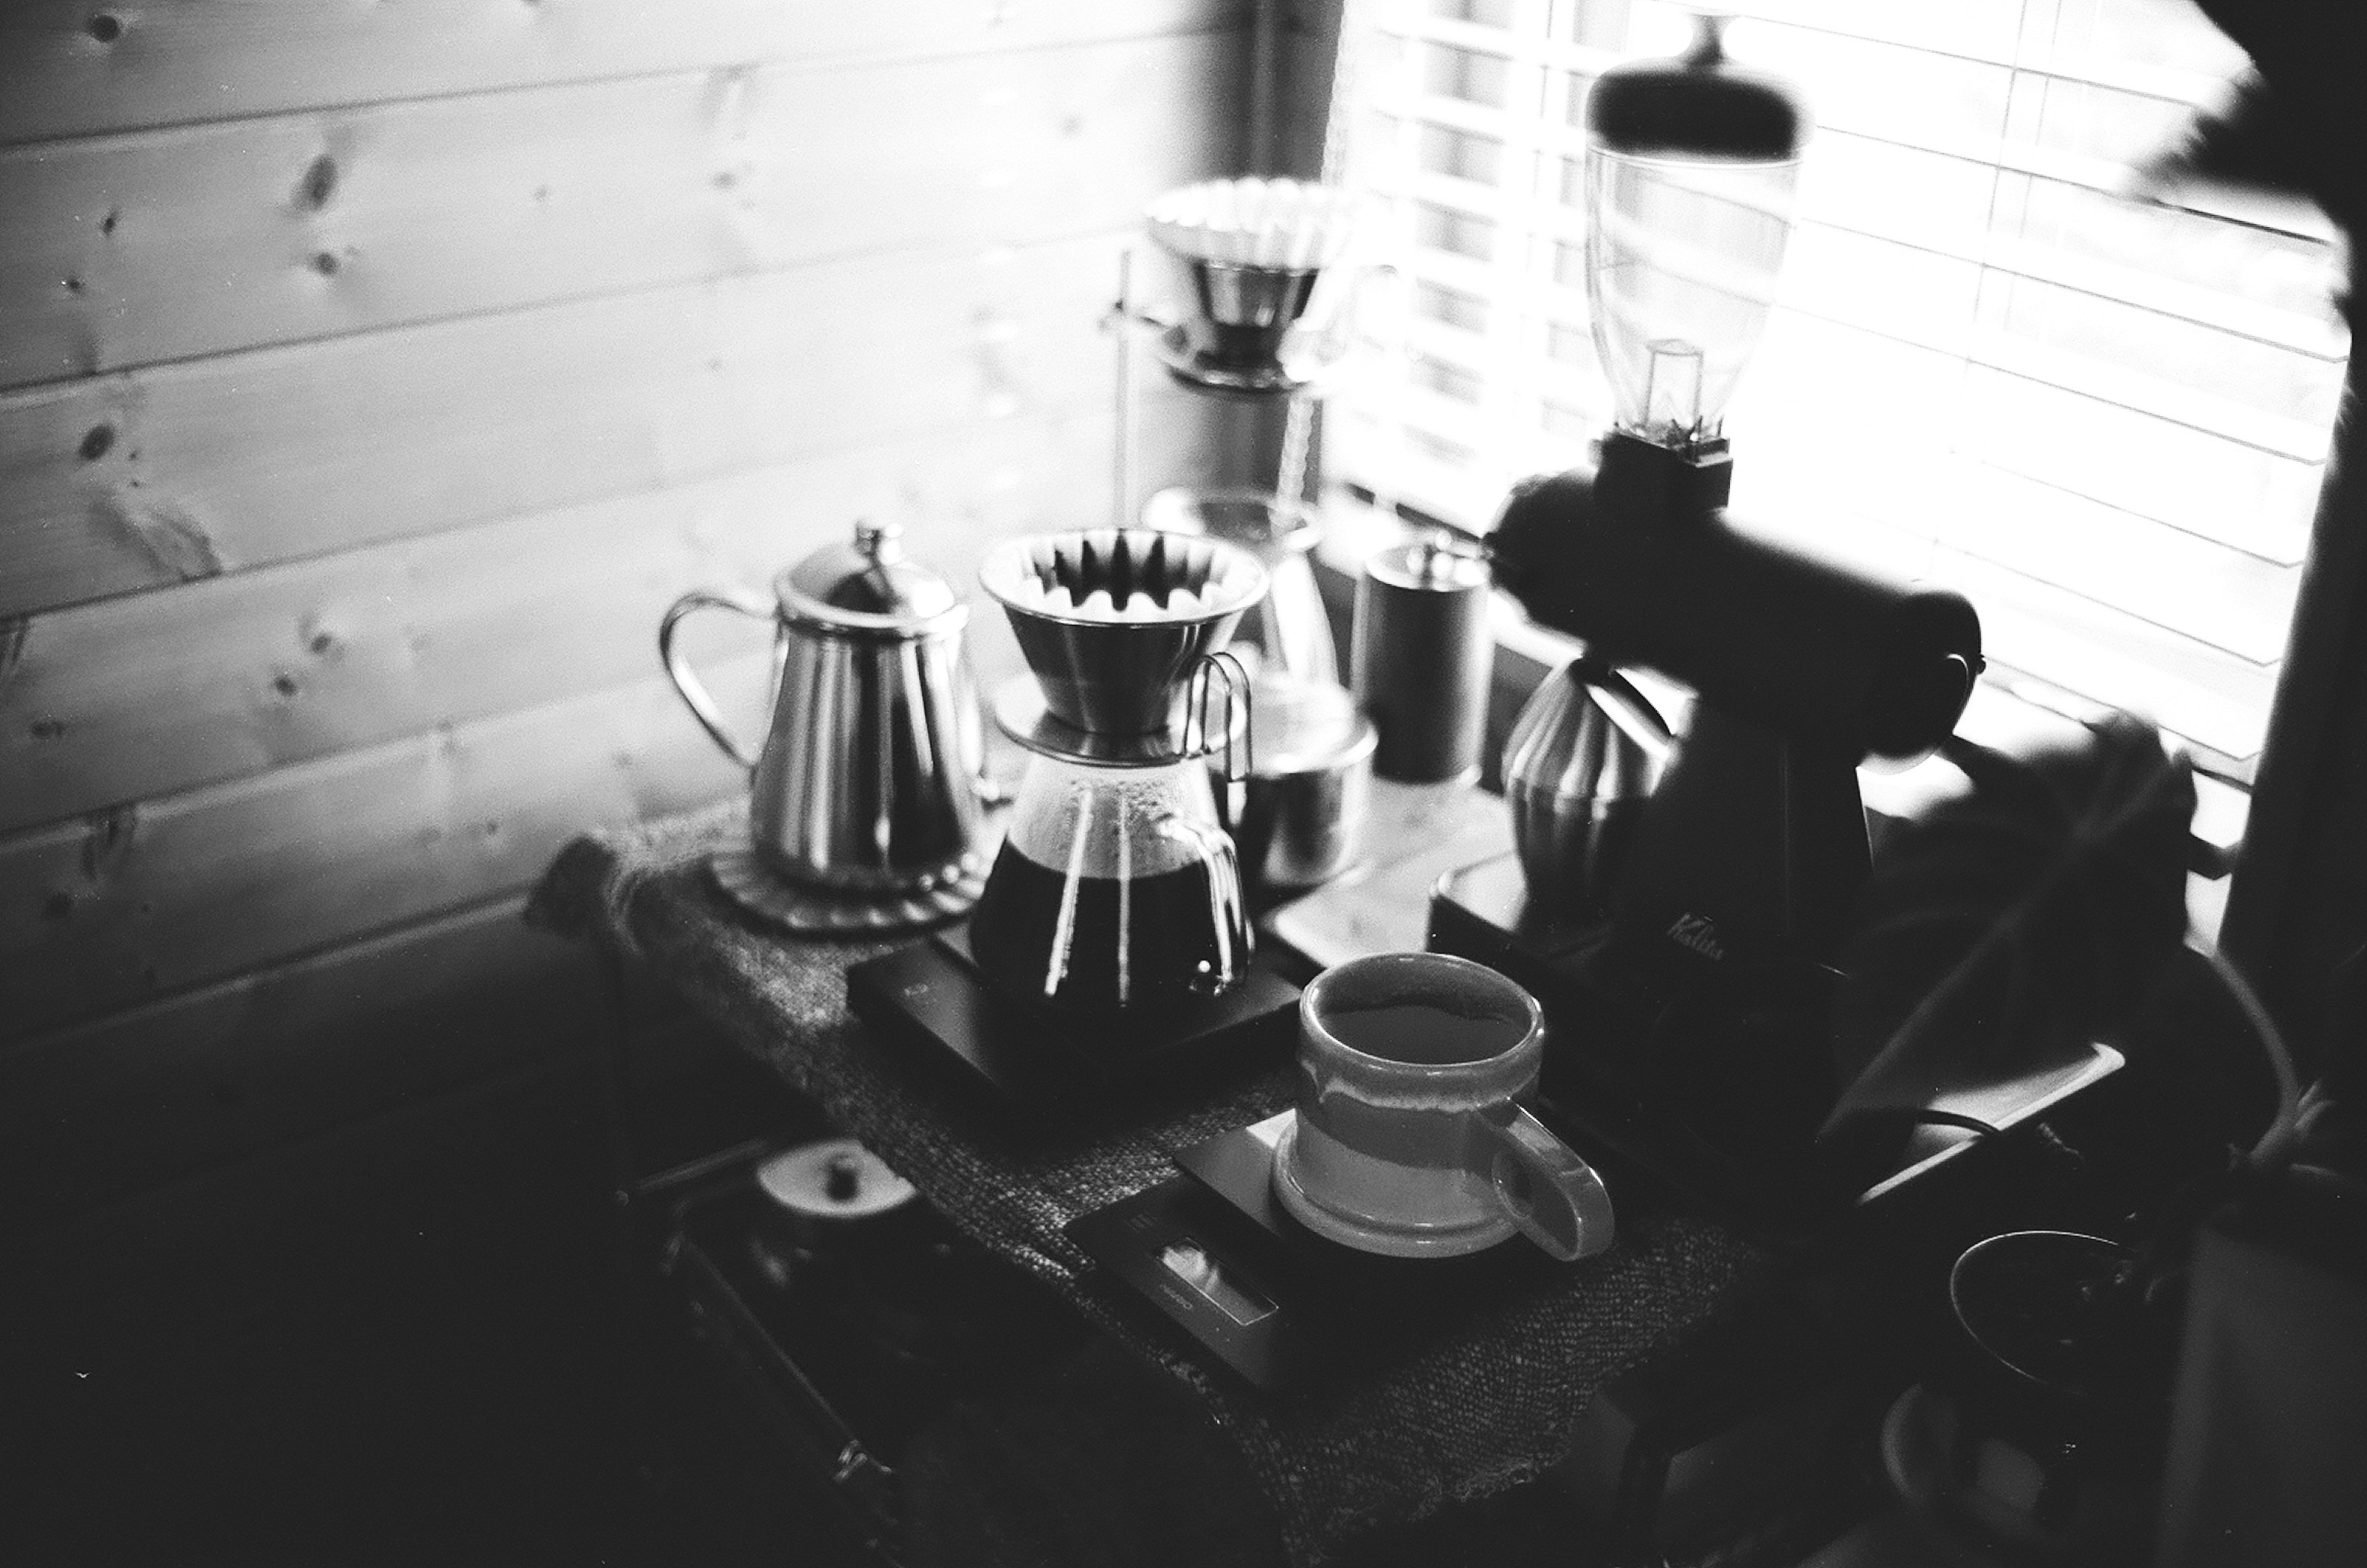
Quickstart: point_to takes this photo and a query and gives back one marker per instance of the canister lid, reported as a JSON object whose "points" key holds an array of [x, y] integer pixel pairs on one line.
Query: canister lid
{"points": [[868, 586], [836, 1179], [1427, 564]]}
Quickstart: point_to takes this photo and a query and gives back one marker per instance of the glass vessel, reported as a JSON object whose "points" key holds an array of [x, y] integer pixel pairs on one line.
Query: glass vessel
{"points": [[1691, 169], [1117, 886]]}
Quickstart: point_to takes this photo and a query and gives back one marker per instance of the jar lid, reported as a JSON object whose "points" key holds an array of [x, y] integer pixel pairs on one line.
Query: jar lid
{"points": [[868, 586], [1696, 105], [1428, 564], [836, 1179]]}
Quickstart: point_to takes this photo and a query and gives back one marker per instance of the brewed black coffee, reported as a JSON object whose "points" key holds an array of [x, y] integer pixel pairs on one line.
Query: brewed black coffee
{"points": [[1424, 1032], [1142, 940]]}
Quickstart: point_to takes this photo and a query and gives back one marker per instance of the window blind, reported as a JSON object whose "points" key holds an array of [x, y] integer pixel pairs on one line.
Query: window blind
{"points": [[2101, 417]]}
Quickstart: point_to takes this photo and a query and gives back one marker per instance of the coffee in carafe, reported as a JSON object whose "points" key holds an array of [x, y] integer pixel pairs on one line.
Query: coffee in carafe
{"points": [[1117, 886], [1150, 910]]}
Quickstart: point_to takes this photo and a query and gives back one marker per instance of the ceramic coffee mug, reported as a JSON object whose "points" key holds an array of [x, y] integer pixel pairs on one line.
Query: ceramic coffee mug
{"points": [[1410, 1138]]}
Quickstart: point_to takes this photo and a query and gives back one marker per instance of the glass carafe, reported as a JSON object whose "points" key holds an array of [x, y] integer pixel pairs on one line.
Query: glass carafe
{"points": [[1115, 886]]}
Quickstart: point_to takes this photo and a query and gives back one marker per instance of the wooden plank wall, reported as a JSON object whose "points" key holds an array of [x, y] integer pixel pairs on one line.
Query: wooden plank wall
{"points": [[372, 376]]}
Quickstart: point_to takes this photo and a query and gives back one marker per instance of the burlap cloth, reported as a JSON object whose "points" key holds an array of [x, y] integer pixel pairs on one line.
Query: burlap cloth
{"points": [[1485, 1407]]}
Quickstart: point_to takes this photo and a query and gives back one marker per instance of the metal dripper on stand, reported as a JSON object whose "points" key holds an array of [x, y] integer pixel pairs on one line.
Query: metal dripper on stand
{"points": [[1264, 315]]}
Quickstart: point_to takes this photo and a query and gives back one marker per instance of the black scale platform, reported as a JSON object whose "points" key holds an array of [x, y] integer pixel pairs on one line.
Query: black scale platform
{"points": [[1037, 1062]]}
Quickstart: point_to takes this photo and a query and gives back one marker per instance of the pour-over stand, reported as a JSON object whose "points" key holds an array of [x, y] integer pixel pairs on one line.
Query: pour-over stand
{"points": [[1245, 341]]}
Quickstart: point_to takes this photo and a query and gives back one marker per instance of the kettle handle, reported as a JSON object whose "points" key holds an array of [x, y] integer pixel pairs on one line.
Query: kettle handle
{"points": [[694, 690]]}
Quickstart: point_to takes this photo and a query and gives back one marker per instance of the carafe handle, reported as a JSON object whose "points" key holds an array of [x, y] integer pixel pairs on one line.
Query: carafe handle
{"points": [[1544, 1186], [1228, 909], [694, 690], [1222, 676]]}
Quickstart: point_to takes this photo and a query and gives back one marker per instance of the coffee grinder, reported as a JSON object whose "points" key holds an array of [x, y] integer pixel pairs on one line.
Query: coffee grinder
{"points": [[1688, 986]]}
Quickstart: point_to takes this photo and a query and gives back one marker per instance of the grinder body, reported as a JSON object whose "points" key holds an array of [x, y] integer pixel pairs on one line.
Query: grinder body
{"points": [[1753, 848]]}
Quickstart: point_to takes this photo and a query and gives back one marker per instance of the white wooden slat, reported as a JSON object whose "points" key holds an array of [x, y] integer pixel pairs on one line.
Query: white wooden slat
{"points": [[1907, 194], [2032, 624], [142, 695], [228, 1071], [1978, 29], [2188, 688], [2220, 597], [2234, 417], [2206, 592], [132, 481], [140, 902], [2181, 475], [2318, 335], [129, 250], [73, 67], [1912, 295]]}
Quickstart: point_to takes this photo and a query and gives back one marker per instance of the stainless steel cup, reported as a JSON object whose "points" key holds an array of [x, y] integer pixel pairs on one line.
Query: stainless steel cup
{"points": [[1310, 784], [867, 783]]}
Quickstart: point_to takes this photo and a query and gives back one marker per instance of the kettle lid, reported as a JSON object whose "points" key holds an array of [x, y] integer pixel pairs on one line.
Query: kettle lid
{"points": [[869, 585]]}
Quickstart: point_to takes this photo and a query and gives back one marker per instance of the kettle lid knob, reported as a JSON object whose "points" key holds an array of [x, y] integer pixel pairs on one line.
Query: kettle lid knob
{"points": [[868, 586]]}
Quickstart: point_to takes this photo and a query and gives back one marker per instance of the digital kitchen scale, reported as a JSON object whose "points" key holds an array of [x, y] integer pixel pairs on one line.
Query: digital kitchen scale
{"points": [[1215, 1252], [1036, 1060]]}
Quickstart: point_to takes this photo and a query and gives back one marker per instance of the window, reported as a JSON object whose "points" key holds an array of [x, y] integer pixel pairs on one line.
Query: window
{"points": [[2101, 418]]}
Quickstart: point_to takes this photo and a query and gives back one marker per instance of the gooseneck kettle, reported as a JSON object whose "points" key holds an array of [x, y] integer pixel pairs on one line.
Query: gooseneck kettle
{"points": [[866, 784]]}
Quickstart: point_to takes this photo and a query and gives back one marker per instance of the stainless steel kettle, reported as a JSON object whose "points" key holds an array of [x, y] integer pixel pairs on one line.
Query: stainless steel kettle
{"points": [[868, 783]]}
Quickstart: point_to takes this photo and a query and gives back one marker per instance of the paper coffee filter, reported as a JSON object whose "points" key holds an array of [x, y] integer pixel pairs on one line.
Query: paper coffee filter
{"points": [[1123, 576], [1283, 224]]}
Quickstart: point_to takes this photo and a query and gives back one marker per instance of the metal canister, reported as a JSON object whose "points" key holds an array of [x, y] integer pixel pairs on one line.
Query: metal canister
{"points": [[1419, 659], [1310, 787]]}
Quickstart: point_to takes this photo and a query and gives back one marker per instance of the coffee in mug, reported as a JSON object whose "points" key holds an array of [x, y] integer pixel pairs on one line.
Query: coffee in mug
{"points": [[1410, 1138]]}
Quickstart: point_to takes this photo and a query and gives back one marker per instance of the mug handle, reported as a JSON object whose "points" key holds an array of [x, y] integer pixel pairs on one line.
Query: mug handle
{"points": [[694, 690], [1554, 1197]]}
